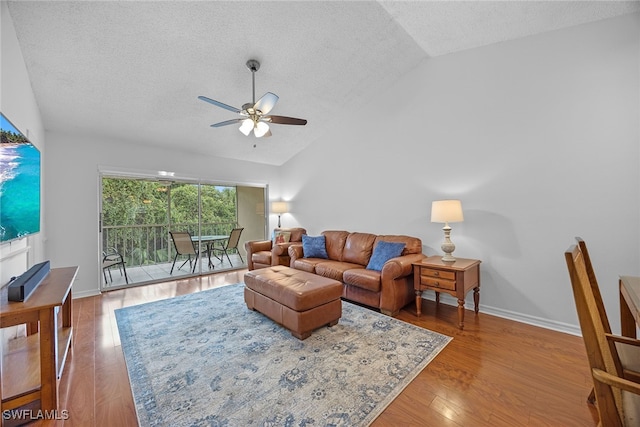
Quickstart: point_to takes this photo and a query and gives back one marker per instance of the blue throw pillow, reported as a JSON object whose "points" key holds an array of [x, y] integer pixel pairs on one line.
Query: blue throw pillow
{"points": [[383, 252], [314, 247]]}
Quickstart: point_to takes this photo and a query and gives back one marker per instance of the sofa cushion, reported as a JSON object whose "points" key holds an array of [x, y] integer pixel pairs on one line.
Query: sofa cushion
{"points": [[281, 237], [383, 252], [413, 245], [361, 278], [358, 248], [262, 257], [335, 241], [307, 264], [314, 247], [296, 233], [335, 269]]}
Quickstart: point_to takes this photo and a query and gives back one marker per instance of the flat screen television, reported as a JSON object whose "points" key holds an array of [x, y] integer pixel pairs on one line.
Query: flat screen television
{"points": [[19, 184]]}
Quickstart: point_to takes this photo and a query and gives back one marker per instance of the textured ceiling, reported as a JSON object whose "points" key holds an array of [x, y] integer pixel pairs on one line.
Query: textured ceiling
{"points": [[133, 70]]}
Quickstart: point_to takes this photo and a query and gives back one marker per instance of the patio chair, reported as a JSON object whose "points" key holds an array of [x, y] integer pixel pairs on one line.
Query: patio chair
{"points": [[230, 244], [112, 258], [184, 246]]}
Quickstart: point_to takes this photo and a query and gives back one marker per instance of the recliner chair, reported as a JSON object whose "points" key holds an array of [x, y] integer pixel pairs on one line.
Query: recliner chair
{"points": [[266, 253]]}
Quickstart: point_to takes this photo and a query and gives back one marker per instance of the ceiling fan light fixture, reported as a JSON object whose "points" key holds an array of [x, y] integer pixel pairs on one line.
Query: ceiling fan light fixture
{"points": [[261, 129], [253, 115], [246, 126]]}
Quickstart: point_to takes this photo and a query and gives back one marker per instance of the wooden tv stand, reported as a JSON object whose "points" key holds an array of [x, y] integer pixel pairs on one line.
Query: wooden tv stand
{"points": [[31, 366]]}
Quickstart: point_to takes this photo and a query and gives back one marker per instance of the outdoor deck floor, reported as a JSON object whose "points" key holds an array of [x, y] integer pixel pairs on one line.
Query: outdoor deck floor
{"points": [[158, 272]]}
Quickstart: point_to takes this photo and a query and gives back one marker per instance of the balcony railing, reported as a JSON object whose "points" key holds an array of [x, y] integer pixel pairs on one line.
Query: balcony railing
{"points": [[151, 244]]}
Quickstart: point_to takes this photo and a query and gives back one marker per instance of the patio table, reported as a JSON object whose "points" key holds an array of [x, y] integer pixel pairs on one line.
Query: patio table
{"points": [[208, 241]]}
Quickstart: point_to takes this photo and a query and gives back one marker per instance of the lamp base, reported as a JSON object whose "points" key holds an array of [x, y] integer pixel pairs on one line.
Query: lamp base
{"points": [[447, 246], [448, 258]]}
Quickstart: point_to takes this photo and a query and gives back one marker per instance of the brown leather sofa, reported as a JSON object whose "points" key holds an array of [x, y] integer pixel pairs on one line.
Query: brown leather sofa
{"points": [[263, 253], [348, 255]]}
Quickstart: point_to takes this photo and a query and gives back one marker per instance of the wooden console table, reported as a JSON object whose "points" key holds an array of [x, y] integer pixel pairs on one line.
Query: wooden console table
{"points": [[455, 278], [31, 368], [629, 305]]}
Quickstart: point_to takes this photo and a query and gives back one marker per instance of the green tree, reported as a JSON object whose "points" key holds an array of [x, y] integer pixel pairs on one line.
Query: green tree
{"points": [[144, 204]]}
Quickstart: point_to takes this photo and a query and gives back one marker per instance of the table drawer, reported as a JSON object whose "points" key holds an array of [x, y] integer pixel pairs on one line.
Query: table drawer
{"points": [[438, 283], [438, 274]]}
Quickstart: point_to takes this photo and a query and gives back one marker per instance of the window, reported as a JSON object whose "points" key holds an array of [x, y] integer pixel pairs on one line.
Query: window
{"points": [[138, 213]]}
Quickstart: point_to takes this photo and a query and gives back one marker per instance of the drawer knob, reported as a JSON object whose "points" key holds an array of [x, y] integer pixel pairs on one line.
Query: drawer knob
{"points": [[436, 284], [436, 273]]}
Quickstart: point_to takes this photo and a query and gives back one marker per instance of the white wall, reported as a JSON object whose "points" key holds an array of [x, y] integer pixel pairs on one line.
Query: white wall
{"points": [[18, 104], [71, 191], [538, 137]]}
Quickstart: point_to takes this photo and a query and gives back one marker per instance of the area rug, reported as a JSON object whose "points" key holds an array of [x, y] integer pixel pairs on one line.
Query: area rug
{"points": [[204, 359]]}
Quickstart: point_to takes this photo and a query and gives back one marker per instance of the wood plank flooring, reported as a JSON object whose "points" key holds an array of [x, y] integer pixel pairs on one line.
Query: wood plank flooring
{"points": [[494, 373]]}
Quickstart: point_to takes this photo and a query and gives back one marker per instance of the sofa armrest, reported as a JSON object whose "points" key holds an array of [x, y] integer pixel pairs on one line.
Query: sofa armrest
{"points": [[401, 266], [257, 246], [295, 251], [253, 246], [396, 283], [281, 249]]}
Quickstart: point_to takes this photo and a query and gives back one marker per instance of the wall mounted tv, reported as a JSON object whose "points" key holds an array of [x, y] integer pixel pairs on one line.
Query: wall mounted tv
{"points": [[19, 184]]}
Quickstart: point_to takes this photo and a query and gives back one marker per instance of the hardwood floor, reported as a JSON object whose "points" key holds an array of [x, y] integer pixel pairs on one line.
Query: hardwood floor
{"points": [[494, 373]]}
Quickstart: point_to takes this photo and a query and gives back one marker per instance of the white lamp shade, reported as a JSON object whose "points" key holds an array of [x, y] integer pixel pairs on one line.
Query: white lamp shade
{"points": [[279, 207], [261, 129], [446, 211], [246, 127]]}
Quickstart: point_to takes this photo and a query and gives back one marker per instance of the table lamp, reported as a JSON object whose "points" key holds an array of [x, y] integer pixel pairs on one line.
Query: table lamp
{"points": [[279, 208], [447, 211]]}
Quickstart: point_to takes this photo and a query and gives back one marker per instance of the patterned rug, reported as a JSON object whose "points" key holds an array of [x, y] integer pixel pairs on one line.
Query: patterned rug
{"points": [[204, 359]]}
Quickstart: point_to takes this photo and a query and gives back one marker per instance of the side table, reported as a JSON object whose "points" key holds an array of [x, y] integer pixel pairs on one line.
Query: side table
{"points": [[455, 278]]}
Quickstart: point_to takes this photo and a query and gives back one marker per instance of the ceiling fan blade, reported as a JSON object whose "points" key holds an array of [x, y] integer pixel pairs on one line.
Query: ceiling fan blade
{"points": [[266, 103], [226, 123], [219, 104], [282, 120]]}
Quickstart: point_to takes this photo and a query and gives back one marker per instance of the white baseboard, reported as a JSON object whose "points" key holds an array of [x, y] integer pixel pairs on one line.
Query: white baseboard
{"points": [[511, 315]]}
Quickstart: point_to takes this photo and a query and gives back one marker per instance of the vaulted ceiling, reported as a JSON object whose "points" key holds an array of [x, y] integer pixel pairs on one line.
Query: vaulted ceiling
{"points": [[132, 70]]}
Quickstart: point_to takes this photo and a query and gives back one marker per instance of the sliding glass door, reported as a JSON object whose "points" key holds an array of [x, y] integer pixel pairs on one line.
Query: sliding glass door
{"points": [[147, 224]]}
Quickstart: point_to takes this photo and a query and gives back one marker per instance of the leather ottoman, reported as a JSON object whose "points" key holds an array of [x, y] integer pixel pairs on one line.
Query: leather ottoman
{"points": [[299, 301]]}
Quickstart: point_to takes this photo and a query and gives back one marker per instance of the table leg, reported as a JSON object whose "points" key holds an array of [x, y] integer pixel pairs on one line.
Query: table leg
{"points": [[419, 302], [461, 313], [213, 244], [48, 360], [67, 310], [209, 250], [32, 328], [476, 299], [627, 321]]}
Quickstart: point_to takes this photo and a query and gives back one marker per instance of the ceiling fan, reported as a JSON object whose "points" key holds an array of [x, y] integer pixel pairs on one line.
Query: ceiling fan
{"points": [[254, 116]]}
